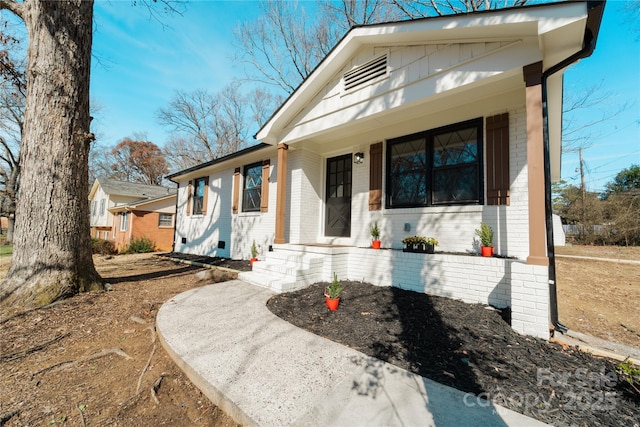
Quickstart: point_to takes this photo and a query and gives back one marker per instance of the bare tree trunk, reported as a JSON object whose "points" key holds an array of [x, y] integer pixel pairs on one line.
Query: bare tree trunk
{"points": [[52, 250], [10, 228]]}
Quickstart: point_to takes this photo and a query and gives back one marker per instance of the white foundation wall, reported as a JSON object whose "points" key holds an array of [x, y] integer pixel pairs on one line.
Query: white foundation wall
{"points": [[492, 281]]}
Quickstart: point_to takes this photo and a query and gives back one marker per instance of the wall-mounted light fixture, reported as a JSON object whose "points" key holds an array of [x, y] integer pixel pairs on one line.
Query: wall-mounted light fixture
{"points": [[358, 158]]}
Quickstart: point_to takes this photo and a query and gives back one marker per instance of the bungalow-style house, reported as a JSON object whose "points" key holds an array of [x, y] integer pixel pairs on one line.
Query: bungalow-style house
{"points": [[427, 127], [124, 211]]}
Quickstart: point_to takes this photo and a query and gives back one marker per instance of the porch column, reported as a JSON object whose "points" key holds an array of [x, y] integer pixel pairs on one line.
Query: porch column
{"points": [[281, 193], [535, 165]]}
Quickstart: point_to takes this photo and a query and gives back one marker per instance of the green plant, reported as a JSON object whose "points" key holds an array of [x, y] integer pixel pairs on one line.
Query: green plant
{"points": [[432, 241], [485, 233], [140, 245], [629, 373], [410, 240], [333, 290], [102, 247], [375, 231], [254, 250]]}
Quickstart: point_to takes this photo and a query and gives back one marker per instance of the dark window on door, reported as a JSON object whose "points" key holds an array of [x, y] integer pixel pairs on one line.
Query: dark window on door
{"points": [[338, 197]]}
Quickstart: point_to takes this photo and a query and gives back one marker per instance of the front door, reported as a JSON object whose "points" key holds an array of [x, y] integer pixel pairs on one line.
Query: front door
{"points": [[338, 210]]}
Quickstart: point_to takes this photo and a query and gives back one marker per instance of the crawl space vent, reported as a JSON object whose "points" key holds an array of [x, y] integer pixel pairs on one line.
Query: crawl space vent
{"points": [[365, 73]]}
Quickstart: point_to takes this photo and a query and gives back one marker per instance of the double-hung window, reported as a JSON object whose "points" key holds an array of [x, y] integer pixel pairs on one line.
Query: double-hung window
{"points": [[124, 221], [199, 187], [437, 167], [165, 220], [252, 190]]}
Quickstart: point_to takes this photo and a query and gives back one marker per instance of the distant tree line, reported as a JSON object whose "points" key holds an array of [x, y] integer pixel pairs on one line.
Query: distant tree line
{"points": [[608, 218]]}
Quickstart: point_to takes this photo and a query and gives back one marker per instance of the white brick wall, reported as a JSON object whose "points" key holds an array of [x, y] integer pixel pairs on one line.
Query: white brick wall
{"points": [[530, 299], [203, 232]]}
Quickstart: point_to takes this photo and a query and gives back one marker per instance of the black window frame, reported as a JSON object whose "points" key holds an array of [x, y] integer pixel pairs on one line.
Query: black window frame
{"points": [[198, 201], [247, 193], [428, 138]]}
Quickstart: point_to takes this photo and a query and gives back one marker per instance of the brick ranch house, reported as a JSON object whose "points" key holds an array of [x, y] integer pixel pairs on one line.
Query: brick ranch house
{"points": [[427, 127], [124, 211]]}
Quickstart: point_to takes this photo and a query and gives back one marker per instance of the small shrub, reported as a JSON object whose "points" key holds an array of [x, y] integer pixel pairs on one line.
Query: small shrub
{"points": [[140, 246], [102, 247], [630, 374]]}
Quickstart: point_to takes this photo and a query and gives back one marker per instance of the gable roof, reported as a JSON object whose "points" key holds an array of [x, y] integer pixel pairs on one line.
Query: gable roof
{"points": [[560, 29], [114, 187]]}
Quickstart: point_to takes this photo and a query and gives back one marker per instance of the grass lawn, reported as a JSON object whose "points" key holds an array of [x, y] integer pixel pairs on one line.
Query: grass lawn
{"points": [[6, 250]]}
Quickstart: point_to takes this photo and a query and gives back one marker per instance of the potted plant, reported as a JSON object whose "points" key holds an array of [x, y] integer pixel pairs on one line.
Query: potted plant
{"points": [[409, 243], [431, 244], [420, 243], [254, 253], [332, 293], [375, 235], [485, 233]]}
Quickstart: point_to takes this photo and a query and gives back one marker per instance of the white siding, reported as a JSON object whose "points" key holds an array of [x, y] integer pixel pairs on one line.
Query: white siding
{"points": [[204, 232]]}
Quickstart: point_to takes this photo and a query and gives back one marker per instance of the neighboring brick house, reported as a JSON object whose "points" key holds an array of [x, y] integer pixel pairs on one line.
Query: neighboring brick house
{"points": [[122, 211], [427, 127]]}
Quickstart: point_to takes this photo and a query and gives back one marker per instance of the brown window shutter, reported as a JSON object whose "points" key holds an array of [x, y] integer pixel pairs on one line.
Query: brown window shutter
{"points": [[236, 190], [375, 177], [498, 181], [205, 196], [264, 191], [189, 192]]}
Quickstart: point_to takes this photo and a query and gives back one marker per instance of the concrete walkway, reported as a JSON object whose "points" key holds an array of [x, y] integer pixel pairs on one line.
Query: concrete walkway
{"points": [[593, 258], [263, 371]]}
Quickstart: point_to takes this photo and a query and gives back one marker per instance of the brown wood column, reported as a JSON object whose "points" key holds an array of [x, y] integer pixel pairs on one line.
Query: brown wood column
{"points": [[535, 165], [281, 193]]}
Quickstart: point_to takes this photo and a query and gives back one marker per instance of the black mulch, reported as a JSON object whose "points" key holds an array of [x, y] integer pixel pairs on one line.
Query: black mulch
{"points": [[469, 347], [234, 264]]}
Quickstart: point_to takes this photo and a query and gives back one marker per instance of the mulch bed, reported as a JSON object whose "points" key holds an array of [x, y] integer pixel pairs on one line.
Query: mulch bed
{"points": [[470, 347], [234, 264]]}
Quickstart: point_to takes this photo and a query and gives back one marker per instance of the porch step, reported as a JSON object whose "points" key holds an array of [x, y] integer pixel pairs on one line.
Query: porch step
{"points": [[283, 271]]}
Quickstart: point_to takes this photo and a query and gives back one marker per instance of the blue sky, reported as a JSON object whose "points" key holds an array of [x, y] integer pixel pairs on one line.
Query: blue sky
{"points": [[138, 65]]}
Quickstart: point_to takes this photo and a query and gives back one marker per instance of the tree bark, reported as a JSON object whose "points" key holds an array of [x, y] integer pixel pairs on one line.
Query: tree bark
{"points": [[52, 248]]}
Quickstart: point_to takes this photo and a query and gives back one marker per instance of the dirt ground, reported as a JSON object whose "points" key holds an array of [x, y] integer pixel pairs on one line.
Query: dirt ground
{"points": [[99, 361], [101, 358], [600, 298]]}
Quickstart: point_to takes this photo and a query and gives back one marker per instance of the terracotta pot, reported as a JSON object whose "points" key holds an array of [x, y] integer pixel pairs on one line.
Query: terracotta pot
{"points": [[487, 250], [252, 260], [375, 244], [332, 303]]}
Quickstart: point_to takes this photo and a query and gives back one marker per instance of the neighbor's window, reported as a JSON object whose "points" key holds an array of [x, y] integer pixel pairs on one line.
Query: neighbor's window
{"points": [[102, 206], [94, 206], [252, 187], [199, 186], [437, 167], [124, 221], [165, 220]]}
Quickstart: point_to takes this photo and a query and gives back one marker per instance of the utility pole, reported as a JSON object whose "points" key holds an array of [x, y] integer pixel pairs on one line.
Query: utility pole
{"points": [[583, 193]]}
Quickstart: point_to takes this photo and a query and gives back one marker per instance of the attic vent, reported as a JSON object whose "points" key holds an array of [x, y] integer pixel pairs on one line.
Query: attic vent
{"points": [[365, 73]]}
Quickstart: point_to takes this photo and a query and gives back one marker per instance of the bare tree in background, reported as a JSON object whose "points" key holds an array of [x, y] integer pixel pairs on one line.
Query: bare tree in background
{"points": [[207, 126], [282, 46], [138, 160], [12, 100]]}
